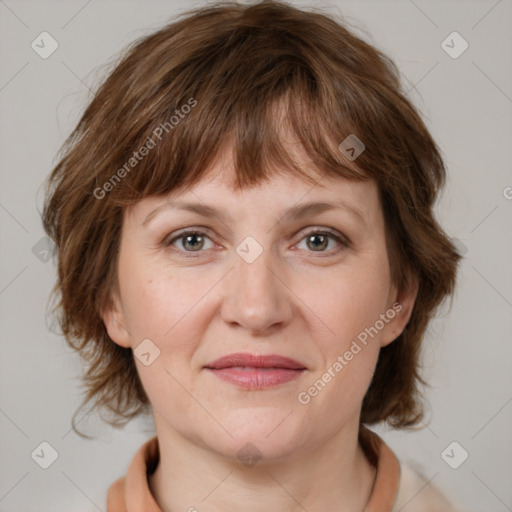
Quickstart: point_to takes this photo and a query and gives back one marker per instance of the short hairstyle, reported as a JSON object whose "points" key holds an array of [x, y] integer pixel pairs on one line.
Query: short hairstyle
{"points": [[215, 80]]}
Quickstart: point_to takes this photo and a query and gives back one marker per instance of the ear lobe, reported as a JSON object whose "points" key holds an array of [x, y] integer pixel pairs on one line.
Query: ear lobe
{"points": [[114, 320], [403, 306]]}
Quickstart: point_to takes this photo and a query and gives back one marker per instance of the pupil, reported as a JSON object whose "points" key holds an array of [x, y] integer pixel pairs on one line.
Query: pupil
{"points": [[192, 237], [322, 243]]}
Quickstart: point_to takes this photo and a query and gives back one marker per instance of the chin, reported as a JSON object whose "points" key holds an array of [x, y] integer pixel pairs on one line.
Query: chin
{"points": [[261, 433]]}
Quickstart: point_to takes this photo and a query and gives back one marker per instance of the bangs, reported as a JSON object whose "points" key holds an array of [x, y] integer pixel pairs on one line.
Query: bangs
{"points": [[280, 135], [275, 108]]}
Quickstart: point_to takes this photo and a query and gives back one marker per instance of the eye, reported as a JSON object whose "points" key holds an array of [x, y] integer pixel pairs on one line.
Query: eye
{"points": [[318, 240], [189, 241]]}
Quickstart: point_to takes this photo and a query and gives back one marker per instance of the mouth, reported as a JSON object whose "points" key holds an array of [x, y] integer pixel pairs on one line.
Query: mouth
{"points": [[253, 372]]}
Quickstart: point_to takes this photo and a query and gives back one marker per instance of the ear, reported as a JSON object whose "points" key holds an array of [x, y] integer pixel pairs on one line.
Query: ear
{"points": [[115, 322], [401, 306]]}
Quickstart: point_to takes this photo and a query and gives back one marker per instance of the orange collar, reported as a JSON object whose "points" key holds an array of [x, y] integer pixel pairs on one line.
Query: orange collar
{"points": [[131, 493]]}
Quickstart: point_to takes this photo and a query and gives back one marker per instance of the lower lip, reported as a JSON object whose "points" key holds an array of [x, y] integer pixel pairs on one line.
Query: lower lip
{"points": [[256, 378]]}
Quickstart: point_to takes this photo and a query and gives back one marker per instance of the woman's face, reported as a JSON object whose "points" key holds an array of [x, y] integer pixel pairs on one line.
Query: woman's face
{"points": [[269, 275]]}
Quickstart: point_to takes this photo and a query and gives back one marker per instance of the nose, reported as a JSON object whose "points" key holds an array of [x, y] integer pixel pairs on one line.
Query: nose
{"points": [[257, 297]]}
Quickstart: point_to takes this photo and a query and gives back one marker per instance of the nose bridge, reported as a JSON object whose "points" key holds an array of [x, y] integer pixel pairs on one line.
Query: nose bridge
{"points": [[256, 297]]}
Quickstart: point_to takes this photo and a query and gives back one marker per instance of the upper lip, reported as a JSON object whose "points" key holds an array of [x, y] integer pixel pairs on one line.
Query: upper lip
{"points": [[255, 361]]}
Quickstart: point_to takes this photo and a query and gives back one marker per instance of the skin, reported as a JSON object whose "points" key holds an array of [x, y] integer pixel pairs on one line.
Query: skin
{"points": [[296, 299]]}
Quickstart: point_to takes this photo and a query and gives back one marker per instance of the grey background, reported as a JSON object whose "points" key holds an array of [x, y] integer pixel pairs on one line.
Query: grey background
{"points": [[467, 104]]}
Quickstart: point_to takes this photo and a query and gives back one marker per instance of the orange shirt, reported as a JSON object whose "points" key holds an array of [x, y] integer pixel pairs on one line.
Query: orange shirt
{"points": [[131, 493]]}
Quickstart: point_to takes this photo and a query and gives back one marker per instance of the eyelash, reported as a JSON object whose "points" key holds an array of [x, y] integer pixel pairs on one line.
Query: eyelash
{"points": [[343, 241]]}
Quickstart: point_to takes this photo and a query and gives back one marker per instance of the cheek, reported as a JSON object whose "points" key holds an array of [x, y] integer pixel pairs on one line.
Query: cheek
{"points": [[165, 309], [345, 308], [157, 301], [170, 310], [347, 301]]}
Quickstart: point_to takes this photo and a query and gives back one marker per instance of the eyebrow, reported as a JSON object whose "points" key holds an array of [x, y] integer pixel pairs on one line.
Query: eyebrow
{"points": [[297, 212]]}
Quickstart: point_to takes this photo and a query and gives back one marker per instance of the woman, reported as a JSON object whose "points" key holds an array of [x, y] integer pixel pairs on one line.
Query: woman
{"points": [[248, 251]]}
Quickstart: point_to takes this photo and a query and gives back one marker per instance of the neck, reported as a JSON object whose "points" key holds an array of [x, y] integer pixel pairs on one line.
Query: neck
{"points": [[334, 475]]}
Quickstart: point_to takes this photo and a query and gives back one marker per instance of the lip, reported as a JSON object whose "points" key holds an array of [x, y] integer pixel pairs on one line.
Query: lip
{"points": [[255, 361], [250, 371]]}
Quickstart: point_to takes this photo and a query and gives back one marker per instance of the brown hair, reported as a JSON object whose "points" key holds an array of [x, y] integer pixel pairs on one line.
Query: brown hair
{"points": [[235, 66]]}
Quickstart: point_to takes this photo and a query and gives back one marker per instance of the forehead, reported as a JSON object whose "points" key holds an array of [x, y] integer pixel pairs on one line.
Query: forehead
{"points": [[283, 194], [283, 186]]}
